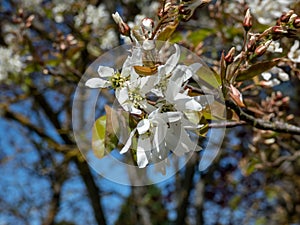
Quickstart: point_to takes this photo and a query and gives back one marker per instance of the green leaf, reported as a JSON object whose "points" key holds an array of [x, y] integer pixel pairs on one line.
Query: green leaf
{"points": [[98, 137], [256, 69], [199, 35], [207, 76], [107, 129], [166, 33], [112, 128]]}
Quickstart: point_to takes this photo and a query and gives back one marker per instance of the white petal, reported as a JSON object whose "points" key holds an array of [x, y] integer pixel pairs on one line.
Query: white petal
{"points": [[173, 60], [160, 131], [183, 103], [143, 126], [97, 83], [283, 76], [185, 144], [181, 74], [172, 90], [122, 95], [295, 46], [266, 75], [143, 152], [147, 83], [171, 117], [128, 143], [105, 71]]}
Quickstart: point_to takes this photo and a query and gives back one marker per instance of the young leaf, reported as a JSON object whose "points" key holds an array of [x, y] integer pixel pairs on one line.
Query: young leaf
{"points": [[256, 69], [98, 137]]}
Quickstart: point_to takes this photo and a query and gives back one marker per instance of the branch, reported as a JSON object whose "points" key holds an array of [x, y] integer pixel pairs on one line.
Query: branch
{"points": [[227, 124], [185, 191], [276, 126]]}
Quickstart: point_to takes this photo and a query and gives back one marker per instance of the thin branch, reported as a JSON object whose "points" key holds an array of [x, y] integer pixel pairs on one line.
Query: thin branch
{"points": [[276, 126], [227, 124]]}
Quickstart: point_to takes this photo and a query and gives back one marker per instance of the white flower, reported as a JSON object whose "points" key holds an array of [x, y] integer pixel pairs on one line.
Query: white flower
{"points": [[158, 134], [108, 77], [9, 63], [294, 53], [174, 95], [269, 81], [267, 11], [274, 47], [98, 17], [132, 97], [109, 39]]}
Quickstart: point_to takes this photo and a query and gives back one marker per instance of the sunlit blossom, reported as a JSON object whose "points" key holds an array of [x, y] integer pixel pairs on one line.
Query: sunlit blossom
{"points": [[9, 63], [294, 53]]}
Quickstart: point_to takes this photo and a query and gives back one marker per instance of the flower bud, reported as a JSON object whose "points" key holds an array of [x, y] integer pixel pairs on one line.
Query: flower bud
{"points": [[292, 18], [230, 56], [251, 44], [247, 23], [236, 96], [296, 22], [147, 27], [260, 50], [123, 27], [279, 30], [285, 17]]}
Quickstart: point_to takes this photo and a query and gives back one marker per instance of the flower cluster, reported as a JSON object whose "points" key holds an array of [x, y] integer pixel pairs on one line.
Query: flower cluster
{"points": [[152, 87], [9, 63]]}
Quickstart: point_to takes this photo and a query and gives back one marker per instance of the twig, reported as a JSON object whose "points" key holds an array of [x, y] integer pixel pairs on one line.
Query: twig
{"points": [[227, 124], [276, 126]]}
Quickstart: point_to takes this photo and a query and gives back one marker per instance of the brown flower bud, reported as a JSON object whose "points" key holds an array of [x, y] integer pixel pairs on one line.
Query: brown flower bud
{"points": [[279, 30], [251, 44], [247, 23], [230, 56], [260, 50]]}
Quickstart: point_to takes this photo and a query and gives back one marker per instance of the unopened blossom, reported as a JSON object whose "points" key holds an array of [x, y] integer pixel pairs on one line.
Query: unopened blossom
{"points": [[294, 53]]}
